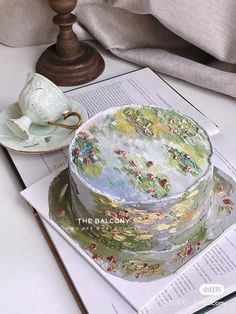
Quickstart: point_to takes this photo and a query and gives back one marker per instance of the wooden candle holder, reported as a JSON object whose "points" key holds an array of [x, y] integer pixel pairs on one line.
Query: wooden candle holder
{"points": [[68, 62]]}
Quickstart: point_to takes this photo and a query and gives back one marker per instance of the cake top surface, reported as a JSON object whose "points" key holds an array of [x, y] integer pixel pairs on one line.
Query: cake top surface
{"points": [[140, 153]]}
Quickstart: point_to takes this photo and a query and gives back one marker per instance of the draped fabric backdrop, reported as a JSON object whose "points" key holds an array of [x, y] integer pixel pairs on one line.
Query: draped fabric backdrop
{"points": [[191, 40]]}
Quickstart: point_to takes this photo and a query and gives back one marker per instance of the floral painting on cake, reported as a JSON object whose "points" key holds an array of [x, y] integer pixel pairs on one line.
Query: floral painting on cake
{"points": [[140, 264]]}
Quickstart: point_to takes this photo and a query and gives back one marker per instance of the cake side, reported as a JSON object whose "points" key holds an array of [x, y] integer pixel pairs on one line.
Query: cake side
{"points": [[141, 227]]}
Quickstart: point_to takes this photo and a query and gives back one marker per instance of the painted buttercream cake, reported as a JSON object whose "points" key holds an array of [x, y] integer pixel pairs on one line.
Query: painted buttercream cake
{"points": [[141, 187]]}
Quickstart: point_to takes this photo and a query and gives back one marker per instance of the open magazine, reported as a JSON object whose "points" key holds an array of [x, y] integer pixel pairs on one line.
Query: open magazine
{"points": [[166, 295]]}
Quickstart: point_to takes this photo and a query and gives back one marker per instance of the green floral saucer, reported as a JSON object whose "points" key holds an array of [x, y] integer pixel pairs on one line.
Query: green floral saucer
{"points": [[143, 265], [45, 139]]}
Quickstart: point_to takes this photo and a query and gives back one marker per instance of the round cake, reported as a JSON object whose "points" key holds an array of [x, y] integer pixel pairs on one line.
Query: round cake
{"points": [[141, 185]]}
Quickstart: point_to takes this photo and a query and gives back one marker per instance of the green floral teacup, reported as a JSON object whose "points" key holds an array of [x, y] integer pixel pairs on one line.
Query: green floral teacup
{"points": [[43, 103]]}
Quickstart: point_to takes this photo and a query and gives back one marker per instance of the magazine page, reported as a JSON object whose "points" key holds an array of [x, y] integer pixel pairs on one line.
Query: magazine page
{"points": [[139, 87]]}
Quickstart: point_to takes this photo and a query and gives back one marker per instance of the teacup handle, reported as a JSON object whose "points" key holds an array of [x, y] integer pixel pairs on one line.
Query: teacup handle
{"points": [[65, 116]]}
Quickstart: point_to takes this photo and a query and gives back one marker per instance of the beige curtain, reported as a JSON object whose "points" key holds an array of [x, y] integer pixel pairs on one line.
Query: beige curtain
{"points": [[192, 40]]}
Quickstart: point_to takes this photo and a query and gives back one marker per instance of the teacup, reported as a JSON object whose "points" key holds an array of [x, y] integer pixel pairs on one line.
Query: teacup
{"points": [[41, 102]]}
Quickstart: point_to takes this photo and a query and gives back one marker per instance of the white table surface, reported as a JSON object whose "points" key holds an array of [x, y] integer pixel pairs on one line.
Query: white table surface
{"points": [[30, 279]]}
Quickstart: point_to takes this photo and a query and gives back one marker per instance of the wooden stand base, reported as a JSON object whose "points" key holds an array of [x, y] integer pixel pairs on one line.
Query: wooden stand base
{"points": [[69, 62], [69, 72]]}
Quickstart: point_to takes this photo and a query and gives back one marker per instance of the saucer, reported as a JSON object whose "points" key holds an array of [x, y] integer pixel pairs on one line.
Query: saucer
{"points": [[142, 265], [45, 138]]}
